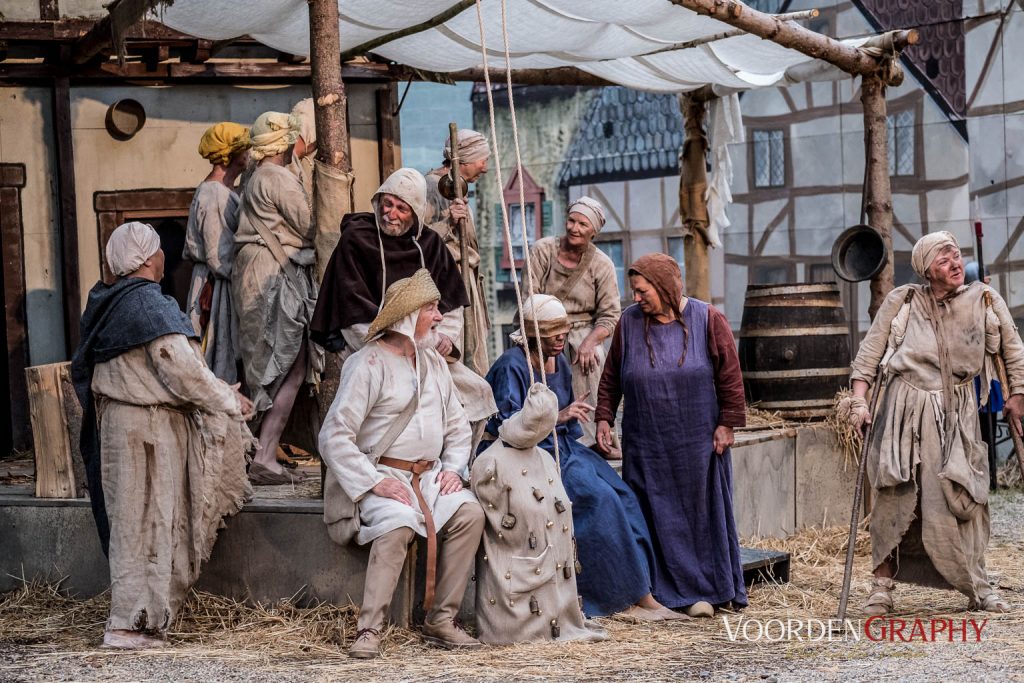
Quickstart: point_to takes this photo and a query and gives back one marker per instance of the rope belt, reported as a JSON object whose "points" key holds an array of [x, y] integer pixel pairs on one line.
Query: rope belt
{"points": [[418, 467]]}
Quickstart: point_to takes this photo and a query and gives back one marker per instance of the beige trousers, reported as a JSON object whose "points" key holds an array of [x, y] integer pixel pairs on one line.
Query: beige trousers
{"points": [[459, 539]]}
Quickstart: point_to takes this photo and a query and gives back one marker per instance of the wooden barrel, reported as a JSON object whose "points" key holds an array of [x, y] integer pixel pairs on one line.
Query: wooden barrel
{"points": [[794, 348]]}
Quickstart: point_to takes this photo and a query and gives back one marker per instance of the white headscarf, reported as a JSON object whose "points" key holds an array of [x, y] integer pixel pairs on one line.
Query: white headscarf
{"points": [[549, 314], [592, 209], [472, 147], [303, 111], [272, 134], [927, 249], [129, 246]]}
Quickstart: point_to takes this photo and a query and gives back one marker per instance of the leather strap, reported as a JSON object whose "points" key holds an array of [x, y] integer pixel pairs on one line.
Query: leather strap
{"points": [[417, 468], [577, 273]]}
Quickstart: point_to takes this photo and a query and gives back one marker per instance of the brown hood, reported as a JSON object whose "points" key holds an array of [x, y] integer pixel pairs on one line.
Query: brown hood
{"points": [[663, 273]]}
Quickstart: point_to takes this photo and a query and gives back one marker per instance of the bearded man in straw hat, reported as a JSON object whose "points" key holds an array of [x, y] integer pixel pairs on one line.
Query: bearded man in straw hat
{"points": [[930, 517], [397, 441]]}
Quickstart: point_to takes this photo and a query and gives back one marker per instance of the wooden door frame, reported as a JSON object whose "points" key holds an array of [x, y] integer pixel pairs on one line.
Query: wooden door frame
{"points": [[12, 180]]}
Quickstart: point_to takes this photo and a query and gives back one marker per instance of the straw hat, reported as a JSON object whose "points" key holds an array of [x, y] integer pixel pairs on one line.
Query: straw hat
{"points": [[402, 298]]}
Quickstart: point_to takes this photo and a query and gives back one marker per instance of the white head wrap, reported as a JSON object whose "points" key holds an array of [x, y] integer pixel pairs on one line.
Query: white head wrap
{"points": [[129, 246], [592, 209], [272, 134], [303, 111], [549, 314], [534, 422], [928, 248], [472, 147]]}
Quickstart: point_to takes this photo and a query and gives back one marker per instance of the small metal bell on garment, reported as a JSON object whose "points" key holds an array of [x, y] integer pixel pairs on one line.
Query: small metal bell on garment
{"points": [[555, 631], [540, 496], [567, 571], [532, 541], [559, 506], [534, 605]]}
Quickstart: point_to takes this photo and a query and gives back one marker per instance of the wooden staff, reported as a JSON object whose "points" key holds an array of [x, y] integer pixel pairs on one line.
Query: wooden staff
{"points": [[1018, 443], [858, 496], [453, 133]]}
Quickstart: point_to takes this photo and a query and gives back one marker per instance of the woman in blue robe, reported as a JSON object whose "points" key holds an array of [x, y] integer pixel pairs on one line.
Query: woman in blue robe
{"points": [[613, 544]]}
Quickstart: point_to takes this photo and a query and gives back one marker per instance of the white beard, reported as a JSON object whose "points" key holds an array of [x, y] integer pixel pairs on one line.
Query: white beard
{"points": [[429, 341]]}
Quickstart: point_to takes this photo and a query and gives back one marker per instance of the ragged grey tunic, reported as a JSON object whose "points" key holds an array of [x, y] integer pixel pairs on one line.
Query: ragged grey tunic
{"points": [[926, 460]]}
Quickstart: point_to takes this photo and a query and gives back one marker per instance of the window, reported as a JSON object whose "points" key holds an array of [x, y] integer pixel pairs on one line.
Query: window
{"points": [[771, 275], [613, 249], [676, 251], [769, 158], [821, 272], [507, 330], [515, 225], [536, 211], [901, 143]]}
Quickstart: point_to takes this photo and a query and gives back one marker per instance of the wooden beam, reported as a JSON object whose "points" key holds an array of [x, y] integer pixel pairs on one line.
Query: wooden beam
{"points": [[436, 20], [240, 71], [877, 188], [693, 208], [12, 180], [109, 31], [562, 75], [67, 212], [788, 34], [388, 139]]}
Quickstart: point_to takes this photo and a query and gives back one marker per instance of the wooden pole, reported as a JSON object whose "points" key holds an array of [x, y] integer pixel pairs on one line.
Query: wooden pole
{"points": [[693, 208], [789, 34], [333, 149], [67, 203], [332, 142], [436, 20], [877, 189]]}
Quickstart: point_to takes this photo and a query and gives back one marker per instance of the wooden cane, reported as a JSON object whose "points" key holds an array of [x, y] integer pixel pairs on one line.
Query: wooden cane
{"points": [[1018, 443], [858, 496], [453, 134]]}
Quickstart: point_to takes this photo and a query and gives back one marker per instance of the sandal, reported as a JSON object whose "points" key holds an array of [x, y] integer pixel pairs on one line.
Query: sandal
{"points": [[285, 457], [879, 602], [990, 603], [260, 475]]}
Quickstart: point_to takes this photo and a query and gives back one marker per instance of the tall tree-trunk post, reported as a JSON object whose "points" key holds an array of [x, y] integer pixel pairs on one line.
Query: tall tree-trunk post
{"points": [[693, 207], [877, 189], [332, 176]]}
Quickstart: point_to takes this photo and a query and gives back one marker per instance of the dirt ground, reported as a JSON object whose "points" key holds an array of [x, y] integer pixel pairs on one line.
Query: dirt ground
{"points": [[44, 636]]}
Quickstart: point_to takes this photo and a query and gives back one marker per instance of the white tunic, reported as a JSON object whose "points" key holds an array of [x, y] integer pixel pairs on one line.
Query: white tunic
{"points": [[376, 385]]}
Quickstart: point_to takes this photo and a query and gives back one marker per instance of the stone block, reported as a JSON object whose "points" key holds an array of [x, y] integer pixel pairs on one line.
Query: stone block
{"points": [[763, 484], [824, 479]]}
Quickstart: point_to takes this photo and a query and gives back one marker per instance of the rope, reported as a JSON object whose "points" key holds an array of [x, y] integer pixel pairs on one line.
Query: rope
{"points": [[522, 193]]}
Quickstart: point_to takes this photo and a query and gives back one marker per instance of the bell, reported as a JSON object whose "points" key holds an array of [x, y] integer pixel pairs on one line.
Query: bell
{"points": [[567, 571], [508, 521], [532, 541], [555, 631], [447, 188], [534, 605], [559, 505], [578, 567], [540, 496]]}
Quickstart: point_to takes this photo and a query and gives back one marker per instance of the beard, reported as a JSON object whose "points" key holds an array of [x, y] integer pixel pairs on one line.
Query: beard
{"points": [[429, 340], [392, 229]]}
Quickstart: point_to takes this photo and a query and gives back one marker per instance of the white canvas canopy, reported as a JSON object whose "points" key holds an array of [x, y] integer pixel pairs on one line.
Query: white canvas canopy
{"points": [[611, 39]]}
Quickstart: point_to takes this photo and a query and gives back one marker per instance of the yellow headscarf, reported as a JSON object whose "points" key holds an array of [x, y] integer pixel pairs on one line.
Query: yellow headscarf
{"points": [[223, 141], [272, 134]]}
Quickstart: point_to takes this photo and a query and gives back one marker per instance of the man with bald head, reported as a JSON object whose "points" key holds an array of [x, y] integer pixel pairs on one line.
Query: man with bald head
{"points": [[164, 441]]}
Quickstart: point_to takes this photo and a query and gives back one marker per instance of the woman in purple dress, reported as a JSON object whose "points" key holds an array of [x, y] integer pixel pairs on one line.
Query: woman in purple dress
{"points": [[673, 360]]}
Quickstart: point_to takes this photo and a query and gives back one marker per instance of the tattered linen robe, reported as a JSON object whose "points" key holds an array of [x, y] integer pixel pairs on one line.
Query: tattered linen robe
{"points": [[595, 301], [926, 459], [274, 313], [210, 245], [376, 385], [477, 324], [173, 446]]}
